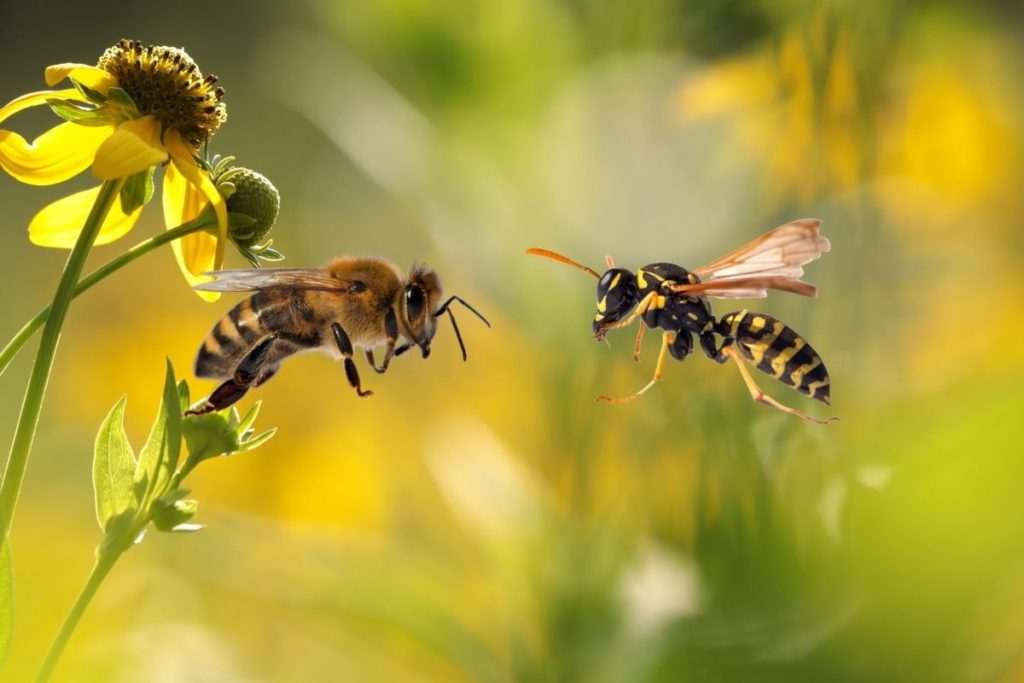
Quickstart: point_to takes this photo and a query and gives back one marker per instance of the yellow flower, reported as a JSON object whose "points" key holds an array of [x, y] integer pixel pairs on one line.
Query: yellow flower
{"points": [[139, 108]]}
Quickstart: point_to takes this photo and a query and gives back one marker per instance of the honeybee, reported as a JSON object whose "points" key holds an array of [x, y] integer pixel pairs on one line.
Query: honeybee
{"points": [[353, 301], [670, 297]]}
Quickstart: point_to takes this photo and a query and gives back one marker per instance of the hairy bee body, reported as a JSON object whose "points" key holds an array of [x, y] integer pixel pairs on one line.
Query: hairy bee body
{"points": [[354, 301], [301, 319]]}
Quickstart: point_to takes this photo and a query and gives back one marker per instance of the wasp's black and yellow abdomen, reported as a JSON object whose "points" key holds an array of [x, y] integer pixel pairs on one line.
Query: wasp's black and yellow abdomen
{"points": [[776, 349]]}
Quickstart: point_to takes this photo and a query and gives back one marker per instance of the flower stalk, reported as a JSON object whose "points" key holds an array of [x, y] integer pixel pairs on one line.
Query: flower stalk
{"points": [[28, 419], [204, 222], [133, 493]]}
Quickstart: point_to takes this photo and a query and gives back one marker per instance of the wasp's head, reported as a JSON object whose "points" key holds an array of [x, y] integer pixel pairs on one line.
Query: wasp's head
{"points": [[617, 294]]}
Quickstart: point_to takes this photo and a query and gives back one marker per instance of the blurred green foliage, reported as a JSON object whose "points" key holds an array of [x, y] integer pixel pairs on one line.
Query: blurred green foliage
{"points": [[489, 521]]}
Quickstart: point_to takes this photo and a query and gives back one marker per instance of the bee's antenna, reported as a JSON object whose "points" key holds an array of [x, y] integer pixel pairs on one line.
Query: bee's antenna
{"points": [[562, 259], [446, 308], [609, 261]]}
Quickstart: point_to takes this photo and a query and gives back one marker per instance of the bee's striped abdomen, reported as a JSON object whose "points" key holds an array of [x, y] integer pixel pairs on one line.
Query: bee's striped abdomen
{"points": [[231, 338], [774, 348]]}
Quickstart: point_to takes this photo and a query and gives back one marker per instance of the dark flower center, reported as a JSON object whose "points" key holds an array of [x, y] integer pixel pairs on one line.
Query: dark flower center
{"points": [[165, 82]]}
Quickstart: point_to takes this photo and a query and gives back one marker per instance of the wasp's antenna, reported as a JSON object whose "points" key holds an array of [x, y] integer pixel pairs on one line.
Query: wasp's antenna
{"points": [[609, 261], [561, 259], [446, 308]]}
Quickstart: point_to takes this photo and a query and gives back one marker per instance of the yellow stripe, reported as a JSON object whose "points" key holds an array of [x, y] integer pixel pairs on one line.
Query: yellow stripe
{"points": [[615, 282], [769, 338], [756, 324], [779, 362], [640, 280], [734, 324], [756, 352], [799, 373], [659, 302], [813, 387], [227, 327]]}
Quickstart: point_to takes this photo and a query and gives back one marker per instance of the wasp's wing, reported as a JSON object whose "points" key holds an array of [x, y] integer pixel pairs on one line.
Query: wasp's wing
{"points": [[781, 252], [774, 260], [755, 287], [272, 278]]}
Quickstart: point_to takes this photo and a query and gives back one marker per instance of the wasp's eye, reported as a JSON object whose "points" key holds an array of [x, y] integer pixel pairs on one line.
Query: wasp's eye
{"points": [[414, 301]]}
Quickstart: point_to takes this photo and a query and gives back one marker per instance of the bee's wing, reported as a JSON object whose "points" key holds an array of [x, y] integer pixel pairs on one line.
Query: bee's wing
{"points": [[774, 260], [270, 278], [755, 287]]}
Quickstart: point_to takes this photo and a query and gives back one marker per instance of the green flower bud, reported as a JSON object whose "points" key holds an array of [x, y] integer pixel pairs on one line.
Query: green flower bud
{"points": [[255, 196]]}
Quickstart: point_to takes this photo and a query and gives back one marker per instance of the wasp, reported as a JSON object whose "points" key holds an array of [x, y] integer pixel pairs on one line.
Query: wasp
{"points": [[354, 301], [671, 298]]}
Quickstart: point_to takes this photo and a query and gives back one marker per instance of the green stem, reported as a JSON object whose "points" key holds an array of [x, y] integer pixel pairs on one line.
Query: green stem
{"points": [[15, 345], [105, 560], [28, 420]]}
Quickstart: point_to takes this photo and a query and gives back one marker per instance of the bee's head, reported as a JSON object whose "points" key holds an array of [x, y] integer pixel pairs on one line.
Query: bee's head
{"points": [[617, 294], [420, 309], [420, 300]]}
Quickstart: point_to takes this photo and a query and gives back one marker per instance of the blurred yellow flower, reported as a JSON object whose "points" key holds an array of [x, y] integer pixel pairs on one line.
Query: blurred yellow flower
{"points": [[141, 107], [793, 108]]}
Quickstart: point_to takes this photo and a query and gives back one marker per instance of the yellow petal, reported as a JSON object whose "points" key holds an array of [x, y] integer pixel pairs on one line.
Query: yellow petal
{"points": [[133, 147], [195, 253], [183, 161], [60, 153], [89, 76], [59, 223], [34, 99]]}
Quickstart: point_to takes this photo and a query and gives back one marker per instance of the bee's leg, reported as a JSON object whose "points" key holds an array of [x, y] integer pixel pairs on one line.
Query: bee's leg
{"points": [[345, 346], [391, 330], [247, 373], [659, 370], [638, 342], [758, 395]]}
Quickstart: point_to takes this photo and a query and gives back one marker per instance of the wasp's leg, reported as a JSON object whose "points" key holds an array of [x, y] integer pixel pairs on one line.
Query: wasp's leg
{"points": [[345, 346], [682, 345], [247, 373], [707, 343], [640, 309], [758, 395], [638, 342], [659, 370]]}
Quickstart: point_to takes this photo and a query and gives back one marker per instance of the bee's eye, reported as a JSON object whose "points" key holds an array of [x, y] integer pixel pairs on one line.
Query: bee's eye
{"points": [[414, 301]]}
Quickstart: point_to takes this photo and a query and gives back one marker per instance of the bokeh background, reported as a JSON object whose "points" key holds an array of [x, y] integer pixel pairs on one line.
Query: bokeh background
{"points": [[489, 521]]}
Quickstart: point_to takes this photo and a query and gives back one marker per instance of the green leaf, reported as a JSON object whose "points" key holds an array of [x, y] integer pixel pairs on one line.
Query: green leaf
{"points": [[137, 190], [184, 396], [256, 441], [269, 254], [88, 93], [6, 599], [119, 96], [159, 457], [209, 435], [239, 221], [168, 516], [113, 466], [78, 112]]}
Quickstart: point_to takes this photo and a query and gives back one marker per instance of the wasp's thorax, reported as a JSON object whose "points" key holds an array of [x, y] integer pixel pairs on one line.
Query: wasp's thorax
{"points": [[420, 299], [617, 294]]}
